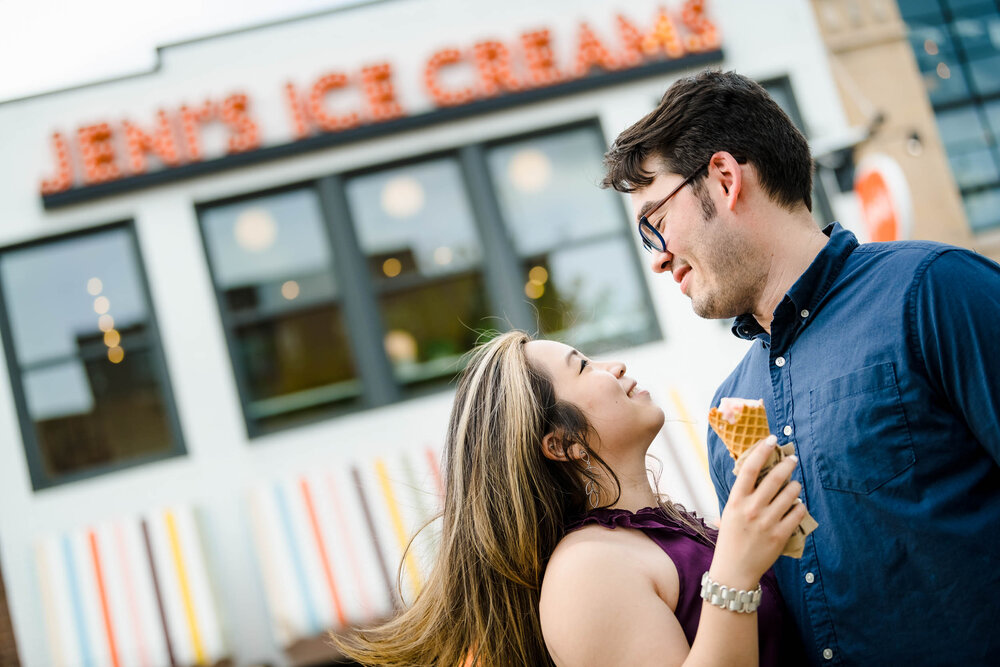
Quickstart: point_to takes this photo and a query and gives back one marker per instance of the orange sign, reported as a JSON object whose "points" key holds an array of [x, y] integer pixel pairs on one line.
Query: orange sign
{"points": [[884, 197], [107, 151]]}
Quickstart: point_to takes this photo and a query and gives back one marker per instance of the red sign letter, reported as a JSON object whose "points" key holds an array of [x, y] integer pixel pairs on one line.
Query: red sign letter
{"points": [[98, 153], [329, 122], [381, 96], [493, 61], [538, 54], [442, 97], [63, 178], [162, 144]]}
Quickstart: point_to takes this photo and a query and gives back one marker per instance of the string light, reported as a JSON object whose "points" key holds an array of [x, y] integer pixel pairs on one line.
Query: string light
{"points": [[537, 47], [236, 114], [381, 95], [592, 53], [493, 62], [161, 143], [98, 153]]}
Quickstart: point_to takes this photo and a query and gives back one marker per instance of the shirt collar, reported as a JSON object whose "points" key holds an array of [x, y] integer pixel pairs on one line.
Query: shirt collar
{"points": [[813, 284]]}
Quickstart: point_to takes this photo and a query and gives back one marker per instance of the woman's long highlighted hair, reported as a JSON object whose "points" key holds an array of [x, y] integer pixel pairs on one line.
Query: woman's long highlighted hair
{"points": [[505, 509]]}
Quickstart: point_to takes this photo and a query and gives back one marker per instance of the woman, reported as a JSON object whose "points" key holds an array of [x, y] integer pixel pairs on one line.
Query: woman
{"points": [[555, 549]]}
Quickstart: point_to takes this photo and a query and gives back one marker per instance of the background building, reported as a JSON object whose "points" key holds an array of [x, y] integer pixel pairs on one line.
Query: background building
{"points": [[233, 290]]}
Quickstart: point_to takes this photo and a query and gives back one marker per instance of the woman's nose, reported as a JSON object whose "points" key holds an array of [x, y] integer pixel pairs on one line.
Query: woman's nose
{"points": [[616, 368]]}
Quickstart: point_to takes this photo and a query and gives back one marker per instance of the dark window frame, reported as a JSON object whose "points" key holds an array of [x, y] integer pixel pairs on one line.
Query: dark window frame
{"points": [[40, 480], [499, 268]]}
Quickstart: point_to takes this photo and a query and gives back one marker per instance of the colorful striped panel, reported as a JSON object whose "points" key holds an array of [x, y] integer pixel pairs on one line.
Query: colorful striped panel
{"points": [[131, 592], [329, 542]]}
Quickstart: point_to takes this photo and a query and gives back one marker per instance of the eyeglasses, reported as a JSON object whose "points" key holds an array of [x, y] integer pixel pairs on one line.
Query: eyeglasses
{"points": [[651, 239]]}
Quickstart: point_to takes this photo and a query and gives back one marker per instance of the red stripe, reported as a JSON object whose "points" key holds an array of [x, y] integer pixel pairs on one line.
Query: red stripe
{"points": [[104, 600], [433, 459], [324, 559], [345, 535]]}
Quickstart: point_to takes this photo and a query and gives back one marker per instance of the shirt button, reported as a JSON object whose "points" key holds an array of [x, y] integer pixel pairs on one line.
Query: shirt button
{"points": [[787, 430], [828, 654], [810, 577], [779, 362], [804, 313]]}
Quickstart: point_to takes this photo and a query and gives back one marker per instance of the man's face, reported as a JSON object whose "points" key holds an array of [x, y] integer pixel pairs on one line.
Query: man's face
{"points": [[709, 255]]}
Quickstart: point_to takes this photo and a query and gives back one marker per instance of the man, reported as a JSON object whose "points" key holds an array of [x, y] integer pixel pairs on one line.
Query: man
{"points": [[878, 362]]}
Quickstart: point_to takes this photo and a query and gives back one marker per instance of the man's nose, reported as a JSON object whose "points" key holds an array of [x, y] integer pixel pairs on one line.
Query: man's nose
{"points": [[660, 262]]}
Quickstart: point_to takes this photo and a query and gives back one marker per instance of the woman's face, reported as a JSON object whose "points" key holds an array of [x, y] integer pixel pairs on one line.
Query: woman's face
{"points": [[621, 413]]}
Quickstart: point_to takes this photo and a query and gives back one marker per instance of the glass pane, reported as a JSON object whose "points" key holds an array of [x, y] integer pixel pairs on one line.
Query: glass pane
{"points": [[993, 115], [967, 7], [945, 80], [983, 209], [93, 388], [414, 220], [975, 167], [920, 9], [429, 326], [985, 74], [931, 44], [547, 188], [589, 296], [961, 130], [270, 254], [416, 227], [273, 266], [296, 363], [978, 36]]}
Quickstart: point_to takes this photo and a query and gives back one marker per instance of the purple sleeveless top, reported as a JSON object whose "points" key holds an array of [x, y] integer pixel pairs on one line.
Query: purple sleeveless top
{"points": [[777, 638]]}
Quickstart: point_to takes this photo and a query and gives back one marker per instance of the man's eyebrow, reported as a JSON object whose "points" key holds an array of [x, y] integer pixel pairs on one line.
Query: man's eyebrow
{"points": [[646, 208]]}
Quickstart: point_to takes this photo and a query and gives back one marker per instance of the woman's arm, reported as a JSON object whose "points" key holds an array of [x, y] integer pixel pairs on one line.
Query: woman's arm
{"points": [[597, 608]]}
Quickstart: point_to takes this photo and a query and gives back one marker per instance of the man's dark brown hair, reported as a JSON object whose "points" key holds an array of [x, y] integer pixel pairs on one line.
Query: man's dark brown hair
{"points": [[708, 112]]}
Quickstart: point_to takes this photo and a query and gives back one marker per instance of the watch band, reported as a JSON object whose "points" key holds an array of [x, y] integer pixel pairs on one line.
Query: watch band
{"points": [[733, 599]]}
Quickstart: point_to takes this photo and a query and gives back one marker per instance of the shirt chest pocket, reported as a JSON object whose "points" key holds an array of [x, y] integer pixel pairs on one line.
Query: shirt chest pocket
{"points": [[859, 430]]}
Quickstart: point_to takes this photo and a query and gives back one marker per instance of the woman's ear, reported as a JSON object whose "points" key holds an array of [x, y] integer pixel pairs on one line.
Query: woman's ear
{"points": [[553, 448], [556, 448]]}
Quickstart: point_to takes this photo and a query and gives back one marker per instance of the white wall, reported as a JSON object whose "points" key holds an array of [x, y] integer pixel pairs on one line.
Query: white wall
{"points": [[221, 462]]}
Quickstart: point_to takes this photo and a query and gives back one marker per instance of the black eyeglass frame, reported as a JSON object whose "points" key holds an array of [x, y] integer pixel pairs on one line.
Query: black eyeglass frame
{"points": [[647, 232]]}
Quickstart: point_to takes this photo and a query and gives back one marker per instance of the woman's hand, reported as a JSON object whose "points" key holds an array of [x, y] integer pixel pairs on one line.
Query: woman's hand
{"points": [[756, 523]]}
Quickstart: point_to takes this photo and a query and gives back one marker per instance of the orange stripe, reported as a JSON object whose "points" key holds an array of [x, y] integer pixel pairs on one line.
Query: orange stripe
{"points": [[104, 599], [433, 460], [324, 559]]}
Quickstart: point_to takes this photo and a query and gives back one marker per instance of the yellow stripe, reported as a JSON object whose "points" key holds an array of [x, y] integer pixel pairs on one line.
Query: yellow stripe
{"points": [[182, 579], [49, 606], [698, 444], [397, 524]]}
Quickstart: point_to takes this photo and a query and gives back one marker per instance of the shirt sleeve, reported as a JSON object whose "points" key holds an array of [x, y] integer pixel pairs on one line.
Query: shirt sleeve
{"points": [[955, 309]]}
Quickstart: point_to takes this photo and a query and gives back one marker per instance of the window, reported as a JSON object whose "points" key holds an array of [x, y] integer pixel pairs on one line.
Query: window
{"points": [[577, 267], [85, 360], [278, 289], [362, 289], [416, 229], [957, 46]]}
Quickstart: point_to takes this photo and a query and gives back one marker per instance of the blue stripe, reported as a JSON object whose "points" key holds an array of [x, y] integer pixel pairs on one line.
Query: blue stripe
{"points": [[300, 569], [74, 594]]}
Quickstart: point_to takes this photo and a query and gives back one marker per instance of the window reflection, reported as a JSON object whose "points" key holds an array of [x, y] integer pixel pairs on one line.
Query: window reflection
{"points": [[957, 46], [94, 390], [579, 268], [274, 271], [415, 226]]}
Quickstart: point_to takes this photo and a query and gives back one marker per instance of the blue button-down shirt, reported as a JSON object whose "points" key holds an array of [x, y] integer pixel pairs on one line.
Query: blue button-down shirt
{"points": [[883, 369]]}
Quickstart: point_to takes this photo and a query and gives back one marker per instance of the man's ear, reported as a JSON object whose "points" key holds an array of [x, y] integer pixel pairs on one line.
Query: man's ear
{"points": [[728, 173], [555, 447]]}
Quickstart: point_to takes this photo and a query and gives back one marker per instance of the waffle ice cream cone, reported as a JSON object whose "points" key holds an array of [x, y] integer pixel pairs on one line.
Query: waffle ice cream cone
{"points": [[739, 424]]}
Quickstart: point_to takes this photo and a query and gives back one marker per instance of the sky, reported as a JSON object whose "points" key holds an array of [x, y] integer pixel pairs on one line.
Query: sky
{"points": [[48, 45]]}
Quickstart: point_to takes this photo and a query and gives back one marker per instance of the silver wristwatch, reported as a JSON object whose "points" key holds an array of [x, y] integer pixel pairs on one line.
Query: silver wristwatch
{"points": [[744, 602]]}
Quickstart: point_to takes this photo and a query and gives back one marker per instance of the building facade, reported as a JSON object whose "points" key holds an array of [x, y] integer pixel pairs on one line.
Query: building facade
{"points": [[234, 290]]}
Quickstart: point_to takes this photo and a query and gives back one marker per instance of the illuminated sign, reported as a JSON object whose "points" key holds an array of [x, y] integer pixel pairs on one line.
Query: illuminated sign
{"points": [[106, 152]]}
